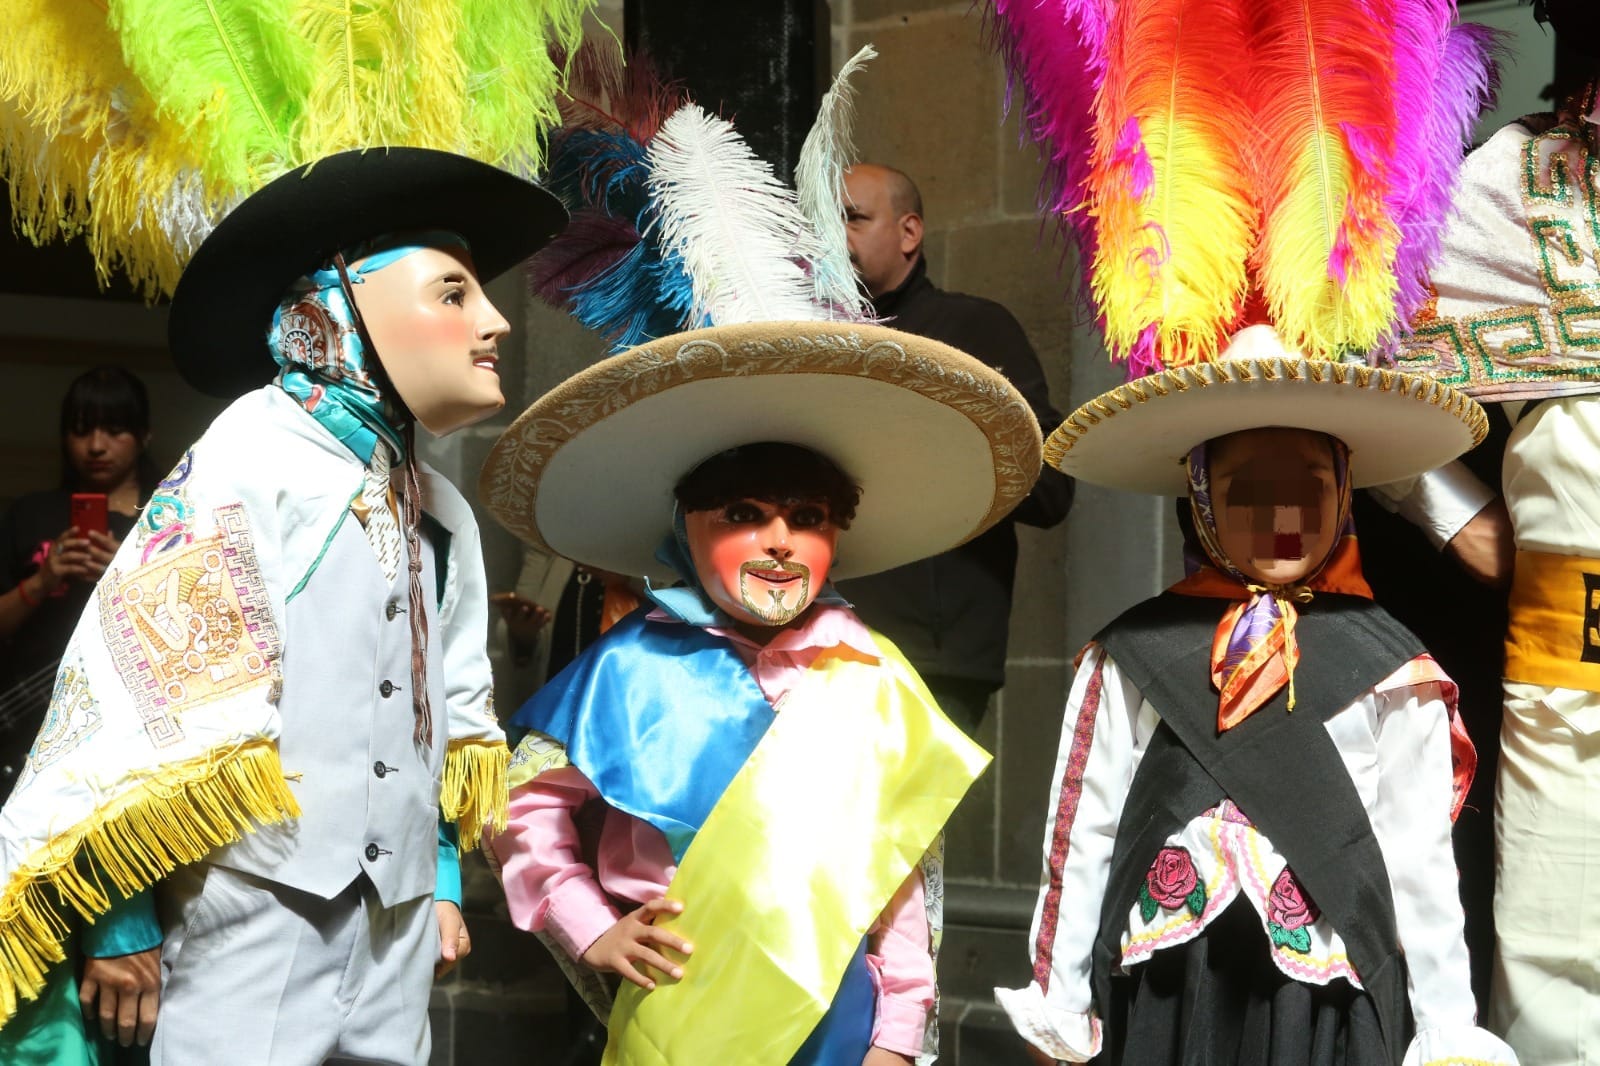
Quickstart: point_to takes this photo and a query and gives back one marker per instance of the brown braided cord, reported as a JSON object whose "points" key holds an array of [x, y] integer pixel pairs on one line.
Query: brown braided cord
{"points": [[410, 525], [411, 510]]}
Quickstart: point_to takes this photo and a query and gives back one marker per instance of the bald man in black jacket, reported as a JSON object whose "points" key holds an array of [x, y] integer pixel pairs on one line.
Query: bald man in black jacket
{"points": [[949, 614]]}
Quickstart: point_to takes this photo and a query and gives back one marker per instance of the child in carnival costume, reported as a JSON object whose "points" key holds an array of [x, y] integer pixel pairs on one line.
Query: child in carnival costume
{"points": [[728, 799], [1512, 320], [1248, 857], [272, 727]]}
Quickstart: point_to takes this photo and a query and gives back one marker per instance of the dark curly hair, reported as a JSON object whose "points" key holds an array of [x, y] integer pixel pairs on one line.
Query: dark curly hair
{"points": [[773, 472]]}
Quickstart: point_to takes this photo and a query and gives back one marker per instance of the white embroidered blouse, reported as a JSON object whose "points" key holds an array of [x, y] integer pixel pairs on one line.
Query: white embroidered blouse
{"points": [[1395, 743]]}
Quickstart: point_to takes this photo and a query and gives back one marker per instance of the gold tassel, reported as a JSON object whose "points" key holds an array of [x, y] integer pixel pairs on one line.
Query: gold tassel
{"points": [[178, 814], [474, 793]]}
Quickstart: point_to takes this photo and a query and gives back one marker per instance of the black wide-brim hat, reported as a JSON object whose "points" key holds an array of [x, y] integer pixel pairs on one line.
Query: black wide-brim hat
{"points": [[222, 308]]}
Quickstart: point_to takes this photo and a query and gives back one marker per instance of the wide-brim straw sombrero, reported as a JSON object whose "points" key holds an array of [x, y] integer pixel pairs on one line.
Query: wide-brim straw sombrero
{"points": [[1136, 436], [941, 445]]}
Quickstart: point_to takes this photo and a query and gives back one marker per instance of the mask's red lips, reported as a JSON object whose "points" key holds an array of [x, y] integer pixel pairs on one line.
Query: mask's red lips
{"points": [[1288, 546]]}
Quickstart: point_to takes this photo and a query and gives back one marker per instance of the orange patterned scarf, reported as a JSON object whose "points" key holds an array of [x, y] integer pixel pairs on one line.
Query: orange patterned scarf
{"points": [[1254, 652]]}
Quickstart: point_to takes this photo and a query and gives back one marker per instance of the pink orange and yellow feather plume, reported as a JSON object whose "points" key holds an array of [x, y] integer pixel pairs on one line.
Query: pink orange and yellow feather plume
{"points": [[1055, 51], [1217, 161], [1171, 190], [1323, 78]]}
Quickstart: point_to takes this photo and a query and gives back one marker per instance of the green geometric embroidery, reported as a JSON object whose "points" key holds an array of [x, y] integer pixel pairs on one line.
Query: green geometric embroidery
{"points": [[1559, 191], [1580, 313], [1558, 247]]}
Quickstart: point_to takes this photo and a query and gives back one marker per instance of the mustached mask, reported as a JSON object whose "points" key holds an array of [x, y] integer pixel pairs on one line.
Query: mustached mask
{"points": [[758, 526]]}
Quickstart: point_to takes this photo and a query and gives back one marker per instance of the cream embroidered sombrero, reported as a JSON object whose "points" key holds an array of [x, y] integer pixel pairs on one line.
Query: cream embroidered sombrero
{"points": [[1137, 435], [941, 445]]}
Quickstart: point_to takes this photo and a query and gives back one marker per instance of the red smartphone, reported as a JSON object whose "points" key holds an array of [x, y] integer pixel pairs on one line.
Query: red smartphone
{"points": [[89, 512]]}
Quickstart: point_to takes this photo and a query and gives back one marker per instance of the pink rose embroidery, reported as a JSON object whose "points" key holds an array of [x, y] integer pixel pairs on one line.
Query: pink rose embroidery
{"points": [[1171, 882], [1289, 911]]}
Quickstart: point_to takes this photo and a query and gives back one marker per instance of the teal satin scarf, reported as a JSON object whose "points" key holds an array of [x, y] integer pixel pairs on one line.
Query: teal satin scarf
{"points": [[322, 361]]}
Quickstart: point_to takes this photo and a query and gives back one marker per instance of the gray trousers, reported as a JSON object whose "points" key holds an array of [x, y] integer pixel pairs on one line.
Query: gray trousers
{"points": [[256, 974]]}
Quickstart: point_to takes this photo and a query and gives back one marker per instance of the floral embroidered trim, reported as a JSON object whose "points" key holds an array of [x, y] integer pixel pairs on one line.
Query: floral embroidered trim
{"points": [[1289, 911], [1320, 970], [1066, 813], [1185, 926], [169, 516], [1170, 883], [1237, 866]]}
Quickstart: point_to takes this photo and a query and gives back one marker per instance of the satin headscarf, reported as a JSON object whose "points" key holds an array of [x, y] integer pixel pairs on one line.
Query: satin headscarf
{"points": [[1254, 652], [322, 362]]}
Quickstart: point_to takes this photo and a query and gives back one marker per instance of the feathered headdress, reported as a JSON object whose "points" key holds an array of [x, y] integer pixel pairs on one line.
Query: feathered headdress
{"points": [[677, 224], [138, 123], [1217, 162]]}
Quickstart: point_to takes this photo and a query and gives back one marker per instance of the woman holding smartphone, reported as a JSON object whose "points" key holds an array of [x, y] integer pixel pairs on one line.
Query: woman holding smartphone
{"points": [[55, 544]]}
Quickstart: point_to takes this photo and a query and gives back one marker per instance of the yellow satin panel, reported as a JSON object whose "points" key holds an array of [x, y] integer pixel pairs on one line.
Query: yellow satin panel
{"points": [[845, 792], [1554, 634]]}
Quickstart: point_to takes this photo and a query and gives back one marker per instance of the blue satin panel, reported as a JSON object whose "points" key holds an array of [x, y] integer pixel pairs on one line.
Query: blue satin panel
{"points": [[844, 1035], [660, 716]]}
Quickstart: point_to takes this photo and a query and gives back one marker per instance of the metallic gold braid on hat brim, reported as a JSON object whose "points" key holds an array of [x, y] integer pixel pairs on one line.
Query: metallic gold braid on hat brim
{"points": [[1416, 422], [923, 428]]}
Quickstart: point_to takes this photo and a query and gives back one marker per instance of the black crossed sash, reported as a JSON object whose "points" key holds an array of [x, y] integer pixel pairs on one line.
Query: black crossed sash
{"points": [[1280, 768]]}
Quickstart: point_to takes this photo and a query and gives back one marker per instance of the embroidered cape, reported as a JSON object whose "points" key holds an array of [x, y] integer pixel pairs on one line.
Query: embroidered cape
{"points": [[160, 741]]}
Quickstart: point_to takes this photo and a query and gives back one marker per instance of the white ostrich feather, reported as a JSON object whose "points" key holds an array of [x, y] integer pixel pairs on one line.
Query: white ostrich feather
{"points": [[819, 179], [737, 228]]}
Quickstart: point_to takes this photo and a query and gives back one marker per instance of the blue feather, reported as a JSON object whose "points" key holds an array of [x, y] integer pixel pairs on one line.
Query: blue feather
{"points": [[644, 294]]}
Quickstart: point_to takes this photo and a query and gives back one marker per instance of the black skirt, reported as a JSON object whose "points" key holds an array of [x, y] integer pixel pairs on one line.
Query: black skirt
{"points": [[1219, 1001]]}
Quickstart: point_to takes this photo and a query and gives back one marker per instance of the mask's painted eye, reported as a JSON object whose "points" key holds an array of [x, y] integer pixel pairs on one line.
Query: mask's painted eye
{"points": [[742, 512], [808, 516]]}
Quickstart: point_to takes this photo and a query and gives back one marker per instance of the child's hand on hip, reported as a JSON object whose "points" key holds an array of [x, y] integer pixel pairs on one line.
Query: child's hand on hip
{"points": [[631, 941]]}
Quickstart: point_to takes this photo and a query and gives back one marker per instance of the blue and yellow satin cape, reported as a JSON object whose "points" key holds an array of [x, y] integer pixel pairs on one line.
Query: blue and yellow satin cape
{"points": [[792, 830]]}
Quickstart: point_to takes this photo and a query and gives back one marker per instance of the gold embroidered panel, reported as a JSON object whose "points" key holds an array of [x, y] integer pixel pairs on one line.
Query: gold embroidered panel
{"points": [[191, 625]]}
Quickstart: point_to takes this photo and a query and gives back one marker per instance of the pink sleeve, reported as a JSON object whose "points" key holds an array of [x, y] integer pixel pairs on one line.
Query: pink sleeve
{"points": [[900, 953], [548, 886]]}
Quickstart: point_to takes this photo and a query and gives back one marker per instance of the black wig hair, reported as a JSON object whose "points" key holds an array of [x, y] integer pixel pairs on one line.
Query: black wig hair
{"points": [[773, 472]]}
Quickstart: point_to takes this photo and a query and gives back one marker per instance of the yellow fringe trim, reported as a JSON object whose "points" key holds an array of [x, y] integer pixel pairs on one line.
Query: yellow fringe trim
{"points": [[177, 815], [474, 793]]}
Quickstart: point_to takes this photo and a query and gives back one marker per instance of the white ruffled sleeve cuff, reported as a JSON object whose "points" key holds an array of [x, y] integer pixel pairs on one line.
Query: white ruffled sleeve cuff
{"points": [[1448, 1046], [1066, 1036]]}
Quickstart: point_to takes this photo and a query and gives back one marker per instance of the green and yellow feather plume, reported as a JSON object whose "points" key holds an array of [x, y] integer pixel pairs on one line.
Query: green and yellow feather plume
{"points": [[138, 123], [83, 150]]}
